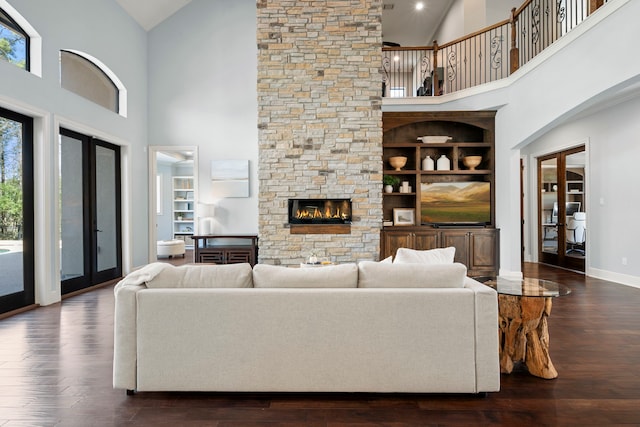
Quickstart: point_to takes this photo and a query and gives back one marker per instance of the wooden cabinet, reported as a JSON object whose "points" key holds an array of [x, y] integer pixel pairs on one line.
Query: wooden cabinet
{"points": [[467, 133], [477, 248], [231, 249], [409, 238]]}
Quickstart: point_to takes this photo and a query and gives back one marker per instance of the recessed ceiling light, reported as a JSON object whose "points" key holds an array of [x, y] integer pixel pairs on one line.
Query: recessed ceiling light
{"points": [[396, 58], [419, 5]]}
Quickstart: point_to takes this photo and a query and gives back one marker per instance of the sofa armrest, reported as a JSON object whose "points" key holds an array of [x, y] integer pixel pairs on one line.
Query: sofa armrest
{"points": [[124, 341], [487, 345]]}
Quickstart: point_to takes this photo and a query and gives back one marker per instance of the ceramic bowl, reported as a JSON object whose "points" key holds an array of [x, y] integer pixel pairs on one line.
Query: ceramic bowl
{"points": [[434, 139], [397, 162], [471, 161]]}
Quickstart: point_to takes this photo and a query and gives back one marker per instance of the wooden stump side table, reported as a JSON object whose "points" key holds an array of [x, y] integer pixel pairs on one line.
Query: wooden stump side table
{"points": [[523, 309]]}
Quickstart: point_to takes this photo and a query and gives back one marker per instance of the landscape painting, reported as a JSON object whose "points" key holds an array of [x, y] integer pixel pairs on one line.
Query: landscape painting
{"points": [[455, 203]]}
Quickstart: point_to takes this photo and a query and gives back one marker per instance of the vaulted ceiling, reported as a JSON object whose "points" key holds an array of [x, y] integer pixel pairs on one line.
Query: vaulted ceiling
{"points": [[401, 22]]}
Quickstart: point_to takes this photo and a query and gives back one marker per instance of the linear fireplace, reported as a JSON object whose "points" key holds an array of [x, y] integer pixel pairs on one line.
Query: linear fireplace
{"points": [[319, 211]]}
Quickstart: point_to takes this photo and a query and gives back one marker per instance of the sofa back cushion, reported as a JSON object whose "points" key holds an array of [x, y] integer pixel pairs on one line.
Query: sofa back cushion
{"points": [[332, 276], [204, 276], [381, 275], [430, 256]]}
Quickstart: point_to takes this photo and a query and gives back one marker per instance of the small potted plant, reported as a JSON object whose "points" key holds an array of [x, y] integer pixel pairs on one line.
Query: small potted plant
{"points": [[390, 182]]}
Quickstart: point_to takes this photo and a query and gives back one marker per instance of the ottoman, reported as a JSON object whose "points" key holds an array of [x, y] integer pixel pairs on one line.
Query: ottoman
{"points": [[170, 248]]}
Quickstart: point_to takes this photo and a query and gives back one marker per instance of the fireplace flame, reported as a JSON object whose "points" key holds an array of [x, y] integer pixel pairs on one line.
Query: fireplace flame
{"points": [[315, 213]]}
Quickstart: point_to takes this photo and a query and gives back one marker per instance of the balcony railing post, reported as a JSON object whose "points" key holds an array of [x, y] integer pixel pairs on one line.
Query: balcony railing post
{"points": [[594, 5], [514, 53], [436, 80]]}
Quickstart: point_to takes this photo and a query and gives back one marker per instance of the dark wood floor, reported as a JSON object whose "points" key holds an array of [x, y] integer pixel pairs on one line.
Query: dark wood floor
{"points": [[55, 369]]}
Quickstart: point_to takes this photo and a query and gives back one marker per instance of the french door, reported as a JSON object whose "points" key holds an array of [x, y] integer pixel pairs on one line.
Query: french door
{"points": [[561, 193], [91, 250], [16, 211]]}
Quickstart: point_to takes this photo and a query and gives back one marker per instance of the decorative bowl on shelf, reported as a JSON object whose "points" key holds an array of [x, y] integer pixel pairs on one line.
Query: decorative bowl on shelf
{"points": [[434, 139], [471, 161], [397, 162]]}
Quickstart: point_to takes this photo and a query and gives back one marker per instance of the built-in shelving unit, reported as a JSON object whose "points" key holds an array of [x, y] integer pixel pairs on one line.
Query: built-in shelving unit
{"points": [[471, 134], [183, 209]]}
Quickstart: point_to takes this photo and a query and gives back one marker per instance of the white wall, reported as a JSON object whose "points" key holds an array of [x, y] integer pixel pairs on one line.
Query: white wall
{"points": [[452, 26], [499, 10], [102, 29], [202, 92], [468, 16], [613, 199]]}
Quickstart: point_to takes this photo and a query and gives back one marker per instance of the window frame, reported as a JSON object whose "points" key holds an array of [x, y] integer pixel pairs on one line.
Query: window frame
{"points": [[7, 21]]}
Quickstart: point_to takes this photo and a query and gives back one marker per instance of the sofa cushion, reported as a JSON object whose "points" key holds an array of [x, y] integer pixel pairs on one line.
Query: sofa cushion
{"points": [[381, 275], [204, 276], [332, 276], [430, 256]]}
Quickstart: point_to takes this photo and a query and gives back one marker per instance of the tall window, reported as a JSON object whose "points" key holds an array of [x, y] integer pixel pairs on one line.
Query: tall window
{"points": [[14, 42], [85, 78]]}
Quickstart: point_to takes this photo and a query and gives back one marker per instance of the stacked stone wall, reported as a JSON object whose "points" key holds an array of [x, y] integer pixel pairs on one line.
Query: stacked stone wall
{"points": [[319, 123]]}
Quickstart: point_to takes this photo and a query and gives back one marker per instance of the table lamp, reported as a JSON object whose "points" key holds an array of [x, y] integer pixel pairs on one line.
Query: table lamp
{"points": [[206, 212]]}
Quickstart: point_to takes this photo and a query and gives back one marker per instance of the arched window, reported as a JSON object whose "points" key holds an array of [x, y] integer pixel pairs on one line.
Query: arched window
{"points": [[86, 76], [14, 42]]}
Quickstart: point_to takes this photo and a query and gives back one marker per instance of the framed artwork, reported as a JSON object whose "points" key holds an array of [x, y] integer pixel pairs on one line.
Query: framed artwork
{"points": [[404, 216], [230, 178]]}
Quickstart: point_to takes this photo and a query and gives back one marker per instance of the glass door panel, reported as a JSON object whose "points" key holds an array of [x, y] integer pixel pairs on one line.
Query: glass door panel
{"points": [[72, 209], [107, 210], [549, 206], [16, 211]]}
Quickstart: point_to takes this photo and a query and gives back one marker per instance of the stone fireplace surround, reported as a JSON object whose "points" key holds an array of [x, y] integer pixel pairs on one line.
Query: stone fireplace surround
{"points": [[319, 124]]}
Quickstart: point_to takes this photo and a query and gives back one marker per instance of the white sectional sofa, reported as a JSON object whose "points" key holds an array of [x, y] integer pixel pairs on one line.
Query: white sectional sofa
{"points": [[370, 327]]}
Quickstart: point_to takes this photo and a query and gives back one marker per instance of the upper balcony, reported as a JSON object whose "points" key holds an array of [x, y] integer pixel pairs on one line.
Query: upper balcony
{"points": [[485, 56]]}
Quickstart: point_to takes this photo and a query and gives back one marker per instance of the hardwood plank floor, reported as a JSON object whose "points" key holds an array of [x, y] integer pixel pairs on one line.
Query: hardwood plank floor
{"points": [[55, 369]]}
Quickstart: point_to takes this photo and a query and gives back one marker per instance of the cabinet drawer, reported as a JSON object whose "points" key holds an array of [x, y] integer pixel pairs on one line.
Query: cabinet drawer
{"points": [[238, 256], [214, 256]]}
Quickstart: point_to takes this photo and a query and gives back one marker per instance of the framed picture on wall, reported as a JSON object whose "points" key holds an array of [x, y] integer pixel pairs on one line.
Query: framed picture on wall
{"points": [[404, 216], [230, 178]]}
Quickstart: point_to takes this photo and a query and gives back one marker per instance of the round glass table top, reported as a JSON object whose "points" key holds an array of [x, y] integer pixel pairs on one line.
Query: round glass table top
{"points": [[527, 287]]}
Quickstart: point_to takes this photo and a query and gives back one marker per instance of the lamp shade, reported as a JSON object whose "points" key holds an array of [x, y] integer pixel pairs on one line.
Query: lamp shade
{"points": [[206, 212]]}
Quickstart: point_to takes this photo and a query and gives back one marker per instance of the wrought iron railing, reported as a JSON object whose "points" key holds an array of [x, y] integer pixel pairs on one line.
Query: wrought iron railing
{"points": [[487, 55]]}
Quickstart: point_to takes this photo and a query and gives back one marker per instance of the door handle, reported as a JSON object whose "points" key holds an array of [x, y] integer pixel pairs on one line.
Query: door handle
{"points": [[97, 231]]}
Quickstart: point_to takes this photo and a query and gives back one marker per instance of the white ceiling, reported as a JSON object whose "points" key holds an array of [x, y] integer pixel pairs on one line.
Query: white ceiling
{"points": [[149, 13], [401, 24]]}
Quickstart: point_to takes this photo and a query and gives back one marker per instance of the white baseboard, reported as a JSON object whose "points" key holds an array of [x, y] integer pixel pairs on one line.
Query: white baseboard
{"points": [[623, 279]]}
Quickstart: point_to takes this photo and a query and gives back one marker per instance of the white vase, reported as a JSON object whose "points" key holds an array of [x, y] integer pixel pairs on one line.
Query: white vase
{"points": [[388, 188], [443, 163], [427, 164]]}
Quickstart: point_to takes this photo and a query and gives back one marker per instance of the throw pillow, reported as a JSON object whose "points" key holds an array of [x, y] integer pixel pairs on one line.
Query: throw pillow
{"points": [[431, 256], [332, 276], [204, 276], [379, 275]]}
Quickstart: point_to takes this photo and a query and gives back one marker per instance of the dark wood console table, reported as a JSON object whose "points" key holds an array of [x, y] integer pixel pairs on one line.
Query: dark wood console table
{"points": [[226, 249]]}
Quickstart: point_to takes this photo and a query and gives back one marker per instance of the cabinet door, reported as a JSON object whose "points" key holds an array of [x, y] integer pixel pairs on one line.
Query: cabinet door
{"points": [[235, 256], [392, 240], [484, 250], [424, 240], [213, 256], [460, 240]]}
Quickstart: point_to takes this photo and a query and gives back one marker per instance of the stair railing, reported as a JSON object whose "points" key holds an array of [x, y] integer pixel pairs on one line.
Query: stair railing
{"points": [[490, 54]]}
